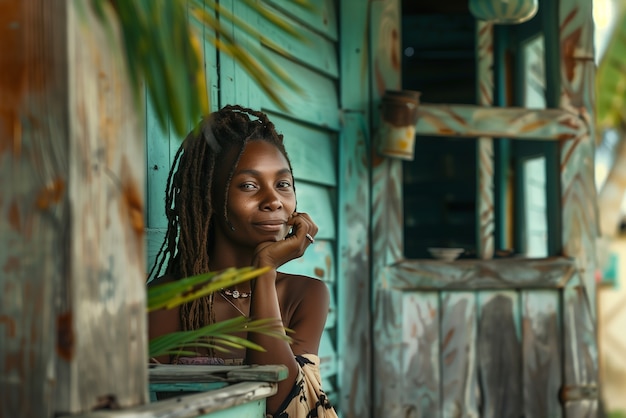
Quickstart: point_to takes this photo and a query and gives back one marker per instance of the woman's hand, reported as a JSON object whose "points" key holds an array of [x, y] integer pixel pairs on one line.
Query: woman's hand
{"points": [[275, 254]]}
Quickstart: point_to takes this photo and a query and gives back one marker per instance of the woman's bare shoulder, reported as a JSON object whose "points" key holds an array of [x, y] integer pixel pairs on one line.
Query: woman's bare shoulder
{"points": [[298, 283]]}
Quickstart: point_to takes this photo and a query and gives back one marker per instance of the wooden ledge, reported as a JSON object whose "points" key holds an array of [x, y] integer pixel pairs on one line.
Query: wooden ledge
{"points": [[196, 405], [174, 373], [505, 273]]}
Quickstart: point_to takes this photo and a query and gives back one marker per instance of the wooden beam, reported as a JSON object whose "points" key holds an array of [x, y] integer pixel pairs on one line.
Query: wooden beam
{"points": [[480, 274], [161, 373], [469, 121], [72, 287], [196, 405]]}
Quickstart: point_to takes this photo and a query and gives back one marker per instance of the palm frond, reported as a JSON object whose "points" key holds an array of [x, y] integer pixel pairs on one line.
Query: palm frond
{"points": [[172, 294], [218, 336], [162, 48]]}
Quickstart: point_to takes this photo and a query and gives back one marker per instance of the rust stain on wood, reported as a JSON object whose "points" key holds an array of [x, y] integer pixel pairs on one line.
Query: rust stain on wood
{"points": [[66, 341], [132, 203], [319, 272], [131, 208], [12, 265], [13, 64], [568, 46], [9, 325], [51, 194]]}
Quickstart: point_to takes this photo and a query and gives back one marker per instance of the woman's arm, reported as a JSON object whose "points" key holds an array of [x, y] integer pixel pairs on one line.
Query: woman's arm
{"points": [[307, 323]]}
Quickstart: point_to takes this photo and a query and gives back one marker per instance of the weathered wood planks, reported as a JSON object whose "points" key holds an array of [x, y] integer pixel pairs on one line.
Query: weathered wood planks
{"points": [[201, 405], [72, 164]]}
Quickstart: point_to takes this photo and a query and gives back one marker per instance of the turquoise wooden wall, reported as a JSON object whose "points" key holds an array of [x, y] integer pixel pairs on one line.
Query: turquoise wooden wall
{"points": [[310, 126]]}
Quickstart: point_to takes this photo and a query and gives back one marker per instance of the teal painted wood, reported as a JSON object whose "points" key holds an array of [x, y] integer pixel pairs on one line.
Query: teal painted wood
{"points": [[323, 18], [318, 201], [158, 166], [420, 375], [254, 409], [328, 356], [468, 121], [386, 213], [388, 358], [316, 102], [184, 387], [318, 261], [315, 50], [481, 274], [541, 352], [458, 357], [484, 148], [354, 279], [580, 347], [499, 354], [579, 211], [354, 246], [312, 150]]}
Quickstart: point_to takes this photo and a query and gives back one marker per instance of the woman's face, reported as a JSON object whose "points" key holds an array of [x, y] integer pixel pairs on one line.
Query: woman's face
{"points": [[261, 196]]}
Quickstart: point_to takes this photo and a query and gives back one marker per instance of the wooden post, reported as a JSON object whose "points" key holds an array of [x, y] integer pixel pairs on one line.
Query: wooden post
{"points": [[578, 196], [72, 294]]}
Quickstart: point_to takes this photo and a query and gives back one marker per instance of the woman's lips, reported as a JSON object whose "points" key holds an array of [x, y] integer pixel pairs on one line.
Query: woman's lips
{"points": [[270, 226]]}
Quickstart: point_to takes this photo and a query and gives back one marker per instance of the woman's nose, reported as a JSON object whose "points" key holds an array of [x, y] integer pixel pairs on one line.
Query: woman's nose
{"points": [[271, 200]]}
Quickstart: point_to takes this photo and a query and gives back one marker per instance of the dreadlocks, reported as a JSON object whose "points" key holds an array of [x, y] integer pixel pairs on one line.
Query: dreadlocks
{"points": [[189, 191]]}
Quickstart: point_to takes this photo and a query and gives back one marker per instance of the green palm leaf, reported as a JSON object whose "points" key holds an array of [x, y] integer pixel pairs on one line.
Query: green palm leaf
{"points": [[172, 294], [162, 48], [218, 336]]}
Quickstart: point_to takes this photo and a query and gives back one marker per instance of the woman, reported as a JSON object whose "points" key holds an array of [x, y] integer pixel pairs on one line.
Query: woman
{"points": [[231, 202]]}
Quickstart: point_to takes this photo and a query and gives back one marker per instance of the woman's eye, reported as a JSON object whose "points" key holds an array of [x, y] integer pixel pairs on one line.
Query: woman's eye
{"points": [[247, 186]]}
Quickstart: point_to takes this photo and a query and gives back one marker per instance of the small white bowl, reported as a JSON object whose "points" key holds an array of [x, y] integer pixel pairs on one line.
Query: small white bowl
{"points": [[446, 254]]}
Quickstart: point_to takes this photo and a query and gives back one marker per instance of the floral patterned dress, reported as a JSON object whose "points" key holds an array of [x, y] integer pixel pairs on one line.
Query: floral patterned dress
{"points": [[307, 399]]}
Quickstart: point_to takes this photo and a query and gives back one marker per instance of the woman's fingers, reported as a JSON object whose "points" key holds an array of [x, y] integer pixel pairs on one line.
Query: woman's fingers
{"points": [[304, 227]]}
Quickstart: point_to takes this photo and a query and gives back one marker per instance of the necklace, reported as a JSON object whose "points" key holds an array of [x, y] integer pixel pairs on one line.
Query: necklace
{"points": [[232, 304], [236, 294]]}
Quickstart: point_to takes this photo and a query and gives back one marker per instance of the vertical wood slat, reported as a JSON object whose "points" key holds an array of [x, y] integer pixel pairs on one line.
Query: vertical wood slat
{"points": [[386, 212], [353, 290], [541, 350], [485, 162], [72, 252], [458, 357], [388, 357], [499, 354], [579, 211], [354, 329], [579, 392], [106, 290], [34, 208], [419, 373]]}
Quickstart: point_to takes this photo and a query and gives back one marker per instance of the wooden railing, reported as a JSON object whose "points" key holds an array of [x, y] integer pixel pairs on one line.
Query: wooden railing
{"points": [[203, 392]]}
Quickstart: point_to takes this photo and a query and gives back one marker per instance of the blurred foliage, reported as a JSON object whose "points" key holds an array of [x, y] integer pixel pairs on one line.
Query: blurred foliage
{"points": [[220, 335], [611, 77], [163, 42]]}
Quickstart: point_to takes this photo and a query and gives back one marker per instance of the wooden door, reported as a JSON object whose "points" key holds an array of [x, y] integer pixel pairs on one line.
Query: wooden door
{"points": [[485, 336]]}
